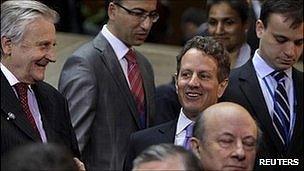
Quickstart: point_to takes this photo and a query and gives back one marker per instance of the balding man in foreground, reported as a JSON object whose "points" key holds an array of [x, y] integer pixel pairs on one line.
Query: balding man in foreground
{"points": [[226, 138]]}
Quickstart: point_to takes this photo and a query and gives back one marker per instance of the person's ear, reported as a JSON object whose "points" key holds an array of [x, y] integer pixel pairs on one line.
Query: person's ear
{"points": [[6, 45], [222, 87], [259, 28], [195, 146], [112, 11]]}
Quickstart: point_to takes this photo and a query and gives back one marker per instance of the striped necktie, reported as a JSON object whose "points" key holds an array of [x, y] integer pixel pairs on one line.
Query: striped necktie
{"points": [[136, 85], [281, 115]]}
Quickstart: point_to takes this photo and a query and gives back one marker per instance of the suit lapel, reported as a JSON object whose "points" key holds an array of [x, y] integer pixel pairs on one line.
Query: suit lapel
{"points": [[46, 109], [110, 60], [298, 128], [167, 132], [10, 104], [250, 87]]}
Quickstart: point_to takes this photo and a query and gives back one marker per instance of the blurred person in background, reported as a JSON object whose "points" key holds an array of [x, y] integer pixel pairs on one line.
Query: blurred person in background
{"points": [[228, 22]]}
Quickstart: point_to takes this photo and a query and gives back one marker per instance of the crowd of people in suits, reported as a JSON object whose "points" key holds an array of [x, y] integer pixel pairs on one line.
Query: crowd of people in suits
{"points": [[228, 106]]}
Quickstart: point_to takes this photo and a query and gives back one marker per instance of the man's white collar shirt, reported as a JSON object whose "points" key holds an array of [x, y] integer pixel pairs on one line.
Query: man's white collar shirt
{"points": [[120, 49], [182, 122], [268, 85]]}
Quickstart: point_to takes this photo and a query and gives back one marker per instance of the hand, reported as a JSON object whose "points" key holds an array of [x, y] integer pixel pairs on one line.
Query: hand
{"points": [[79, 164]]}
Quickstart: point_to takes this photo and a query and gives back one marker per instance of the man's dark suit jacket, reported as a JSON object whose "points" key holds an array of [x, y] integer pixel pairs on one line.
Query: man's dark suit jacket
{"points": [[244, 89], [54, 115], [139, 141], [102, 107], [168, 106]]}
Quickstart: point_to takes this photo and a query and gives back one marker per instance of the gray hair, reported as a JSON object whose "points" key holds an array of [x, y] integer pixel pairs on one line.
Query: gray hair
{"points": [[16, 15], [162, 152]]}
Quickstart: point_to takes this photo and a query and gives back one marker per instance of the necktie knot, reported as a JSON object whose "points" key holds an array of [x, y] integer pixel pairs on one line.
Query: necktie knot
{"points": [[21, 89], [131, 56], [189, 130], [278, 75]]}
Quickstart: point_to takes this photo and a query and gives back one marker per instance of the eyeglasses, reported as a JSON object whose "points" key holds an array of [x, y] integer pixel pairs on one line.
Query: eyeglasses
{"points": [[141, 15]]}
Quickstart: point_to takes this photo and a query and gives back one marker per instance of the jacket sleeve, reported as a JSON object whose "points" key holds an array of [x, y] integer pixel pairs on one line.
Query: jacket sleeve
{"points": [[77, 83]]}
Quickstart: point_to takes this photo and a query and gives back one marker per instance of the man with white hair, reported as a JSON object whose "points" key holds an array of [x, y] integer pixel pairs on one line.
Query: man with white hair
{"points": [[31, 110]]}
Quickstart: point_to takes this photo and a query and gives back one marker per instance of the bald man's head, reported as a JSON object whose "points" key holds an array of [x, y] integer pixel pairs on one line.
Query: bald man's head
{"points": [[225, 137]]}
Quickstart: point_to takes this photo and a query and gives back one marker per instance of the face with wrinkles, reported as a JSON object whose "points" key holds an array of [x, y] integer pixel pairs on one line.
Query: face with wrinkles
{"points": [[28, 58], [229, 141]]}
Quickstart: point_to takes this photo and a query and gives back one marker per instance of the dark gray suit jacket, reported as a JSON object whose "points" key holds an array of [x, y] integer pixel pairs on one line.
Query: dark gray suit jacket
{"points": [[102, 108], [139, 141], [54, 114], [244, 88]]}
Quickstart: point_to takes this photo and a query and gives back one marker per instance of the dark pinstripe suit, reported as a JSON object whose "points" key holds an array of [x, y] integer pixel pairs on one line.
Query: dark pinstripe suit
{"points": [[54, 114]]}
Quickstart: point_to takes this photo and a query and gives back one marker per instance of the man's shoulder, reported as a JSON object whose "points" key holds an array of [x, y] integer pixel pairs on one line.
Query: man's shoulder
{"points": [[158, 129], [45, 88], [242, 71], [96, 45]]}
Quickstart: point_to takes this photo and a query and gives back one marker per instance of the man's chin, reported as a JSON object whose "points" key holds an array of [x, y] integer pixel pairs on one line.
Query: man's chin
{"points": [[138, 42]]}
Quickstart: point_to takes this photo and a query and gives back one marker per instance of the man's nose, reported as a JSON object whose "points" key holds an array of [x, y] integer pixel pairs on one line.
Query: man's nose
{"points": [[51, 55], [239, 151], [290, 50], [146, 23], [194, 80]]}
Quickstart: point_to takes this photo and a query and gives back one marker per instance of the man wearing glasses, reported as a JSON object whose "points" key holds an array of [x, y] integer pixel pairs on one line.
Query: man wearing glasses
{"points": [[110, 86]]}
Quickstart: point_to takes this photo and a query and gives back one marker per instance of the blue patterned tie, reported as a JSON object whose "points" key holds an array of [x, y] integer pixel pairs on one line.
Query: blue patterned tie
{"points": [[189, 130], [281, 116]]}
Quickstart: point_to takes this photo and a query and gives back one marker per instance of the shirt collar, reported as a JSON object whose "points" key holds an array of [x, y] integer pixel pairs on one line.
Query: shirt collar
{"points": [[183, 122], [12, 80], [118, 46], [263, 69], [244, 55]]}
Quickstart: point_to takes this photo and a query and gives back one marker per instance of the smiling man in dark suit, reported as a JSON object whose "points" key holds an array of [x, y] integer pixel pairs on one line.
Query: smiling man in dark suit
{"points": [[31, 110], [203, 68], [110, 86], [269, 87]]}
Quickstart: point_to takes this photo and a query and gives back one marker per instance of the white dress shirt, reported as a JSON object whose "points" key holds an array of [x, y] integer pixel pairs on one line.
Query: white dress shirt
{"points": [[244, 55], [119, 48], [182, 122], [268, 85]]}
